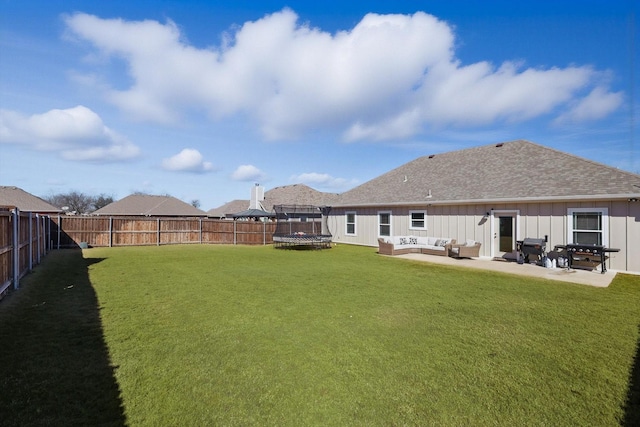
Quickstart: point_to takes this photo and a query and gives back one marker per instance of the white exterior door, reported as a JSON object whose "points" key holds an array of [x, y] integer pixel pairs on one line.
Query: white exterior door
{"points": [[504, 229]]}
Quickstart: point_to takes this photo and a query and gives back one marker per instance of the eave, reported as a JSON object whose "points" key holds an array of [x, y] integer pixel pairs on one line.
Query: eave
{"points": [[544, 199]]}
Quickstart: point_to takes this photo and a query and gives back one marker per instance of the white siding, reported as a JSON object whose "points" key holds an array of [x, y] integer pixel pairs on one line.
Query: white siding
{"points": [[470, 222]]}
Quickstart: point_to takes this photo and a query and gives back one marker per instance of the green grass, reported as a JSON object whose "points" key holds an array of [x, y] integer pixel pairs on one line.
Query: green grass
{"points": [[221, 335]]}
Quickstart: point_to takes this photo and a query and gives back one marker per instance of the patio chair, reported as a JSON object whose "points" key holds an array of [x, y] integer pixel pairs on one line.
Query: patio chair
{"points": [[468, 249]]}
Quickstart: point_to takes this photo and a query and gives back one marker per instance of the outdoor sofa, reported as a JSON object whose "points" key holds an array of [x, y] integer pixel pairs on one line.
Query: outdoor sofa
{"points": [[468, 249], [399, 245]]}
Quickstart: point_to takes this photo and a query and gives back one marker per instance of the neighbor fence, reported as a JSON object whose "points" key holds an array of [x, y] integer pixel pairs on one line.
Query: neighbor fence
{"points": [[74, 231], [26, 237], [23, 242]]}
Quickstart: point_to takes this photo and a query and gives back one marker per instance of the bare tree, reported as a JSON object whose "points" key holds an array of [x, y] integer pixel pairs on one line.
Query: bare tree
{"points": [[195, 203], [101, 201], [78, 203]]}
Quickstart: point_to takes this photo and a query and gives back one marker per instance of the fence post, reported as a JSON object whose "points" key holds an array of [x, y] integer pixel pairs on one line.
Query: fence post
{"points": [[38, 238], [16, 248], [30, 244], [59, 229], [200, 230], [49, 242], [110, 231]]}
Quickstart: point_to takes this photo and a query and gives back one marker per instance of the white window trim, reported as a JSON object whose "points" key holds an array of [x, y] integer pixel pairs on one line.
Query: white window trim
{"points": [[411, 227], [355, 223], [390, 223], [605, 222]]}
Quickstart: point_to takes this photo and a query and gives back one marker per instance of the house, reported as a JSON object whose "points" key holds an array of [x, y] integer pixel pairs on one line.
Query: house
{"points": [[148, 205], [297, 194], [227, 210], [498, 194], [24, 201]]}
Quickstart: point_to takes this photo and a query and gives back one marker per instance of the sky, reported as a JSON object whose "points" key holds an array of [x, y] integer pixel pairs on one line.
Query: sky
{"points": [[201, 100]]}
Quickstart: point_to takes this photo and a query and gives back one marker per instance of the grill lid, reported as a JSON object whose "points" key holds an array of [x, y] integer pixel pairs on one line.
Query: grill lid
{"points": [[530, 241]]}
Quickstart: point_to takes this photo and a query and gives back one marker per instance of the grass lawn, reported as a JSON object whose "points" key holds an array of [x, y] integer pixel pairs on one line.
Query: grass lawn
{"points": [[238, 335]]}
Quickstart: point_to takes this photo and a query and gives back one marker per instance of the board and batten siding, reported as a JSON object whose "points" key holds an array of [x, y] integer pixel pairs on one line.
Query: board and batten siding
{"points": [[463, 222]]}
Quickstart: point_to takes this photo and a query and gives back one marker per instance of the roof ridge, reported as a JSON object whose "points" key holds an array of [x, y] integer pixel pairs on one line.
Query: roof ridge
{"points": [[489, 172], [584, 159], [163, 201]]}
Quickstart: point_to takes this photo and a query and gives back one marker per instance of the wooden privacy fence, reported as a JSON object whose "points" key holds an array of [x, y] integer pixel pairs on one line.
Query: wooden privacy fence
{"points": [[23, 242], [71, 231]]}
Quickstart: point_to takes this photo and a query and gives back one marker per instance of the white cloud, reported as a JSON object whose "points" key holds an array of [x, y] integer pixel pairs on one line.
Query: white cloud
{"points": [[599, 103], [391, 76], [75, 133], [188, 160], [322, 180], [248, 173]]}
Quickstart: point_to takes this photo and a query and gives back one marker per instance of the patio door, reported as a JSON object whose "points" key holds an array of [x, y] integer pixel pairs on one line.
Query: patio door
{"points": [[505, 226]]}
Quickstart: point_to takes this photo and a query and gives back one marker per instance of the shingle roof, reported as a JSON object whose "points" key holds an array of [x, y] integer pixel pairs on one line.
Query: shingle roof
{"points": [[17, 197], [228, 209], [147, 205], [517, 170], [298, 194]]}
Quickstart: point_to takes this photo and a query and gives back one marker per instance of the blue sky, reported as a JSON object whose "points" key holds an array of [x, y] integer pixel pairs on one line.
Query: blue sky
{"points": [[200, 100]]}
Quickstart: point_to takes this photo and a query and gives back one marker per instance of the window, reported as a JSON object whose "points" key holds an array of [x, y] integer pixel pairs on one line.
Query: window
{"points": [[588, 226], [418, 220], [384, 224], [351, 223]]}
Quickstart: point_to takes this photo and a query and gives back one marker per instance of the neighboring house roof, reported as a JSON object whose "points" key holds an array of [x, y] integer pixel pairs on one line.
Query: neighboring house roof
{"points": [[511, 171], [297, 194], [147, 205], [228, 209], [17, 197]]}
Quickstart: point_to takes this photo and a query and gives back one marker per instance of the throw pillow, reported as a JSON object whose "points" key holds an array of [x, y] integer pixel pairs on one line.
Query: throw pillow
{"points": [[438, 242]]}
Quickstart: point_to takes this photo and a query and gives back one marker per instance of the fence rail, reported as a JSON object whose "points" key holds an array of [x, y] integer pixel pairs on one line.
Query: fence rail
{"points": [[70, 231], [23, 243]]}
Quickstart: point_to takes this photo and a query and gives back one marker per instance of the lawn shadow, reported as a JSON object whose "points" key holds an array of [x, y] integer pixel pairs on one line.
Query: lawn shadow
{"points": [[632, 406], [54, 363]]}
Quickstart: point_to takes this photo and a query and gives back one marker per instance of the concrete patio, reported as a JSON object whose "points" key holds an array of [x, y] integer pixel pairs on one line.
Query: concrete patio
{"points": [[583, 277]]}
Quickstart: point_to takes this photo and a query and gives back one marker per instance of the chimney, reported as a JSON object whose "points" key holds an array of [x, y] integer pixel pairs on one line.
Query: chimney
{"points": [[257, 196]]}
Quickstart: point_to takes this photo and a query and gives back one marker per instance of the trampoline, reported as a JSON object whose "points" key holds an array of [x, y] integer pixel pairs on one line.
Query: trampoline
{"points": [[301, 227]]}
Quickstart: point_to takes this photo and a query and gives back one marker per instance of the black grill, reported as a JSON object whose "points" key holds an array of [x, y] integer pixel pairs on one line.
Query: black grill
{"points": [[531, 246], [594, 254], [587, 253]]}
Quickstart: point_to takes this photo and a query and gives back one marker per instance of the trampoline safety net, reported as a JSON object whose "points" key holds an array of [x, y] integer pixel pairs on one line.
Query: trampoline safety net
{"points": [[301, 226]]}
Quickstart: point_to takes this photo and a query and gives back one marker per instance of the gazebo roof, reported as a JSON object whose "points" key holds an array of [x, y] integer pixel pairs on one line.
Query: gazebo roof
{"points": [[251, 213]]}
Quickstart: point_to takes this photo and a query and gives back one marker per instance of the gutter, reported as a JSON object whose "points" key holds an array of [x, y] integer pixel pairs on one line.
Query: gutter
{"points": [[428, 202]]}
